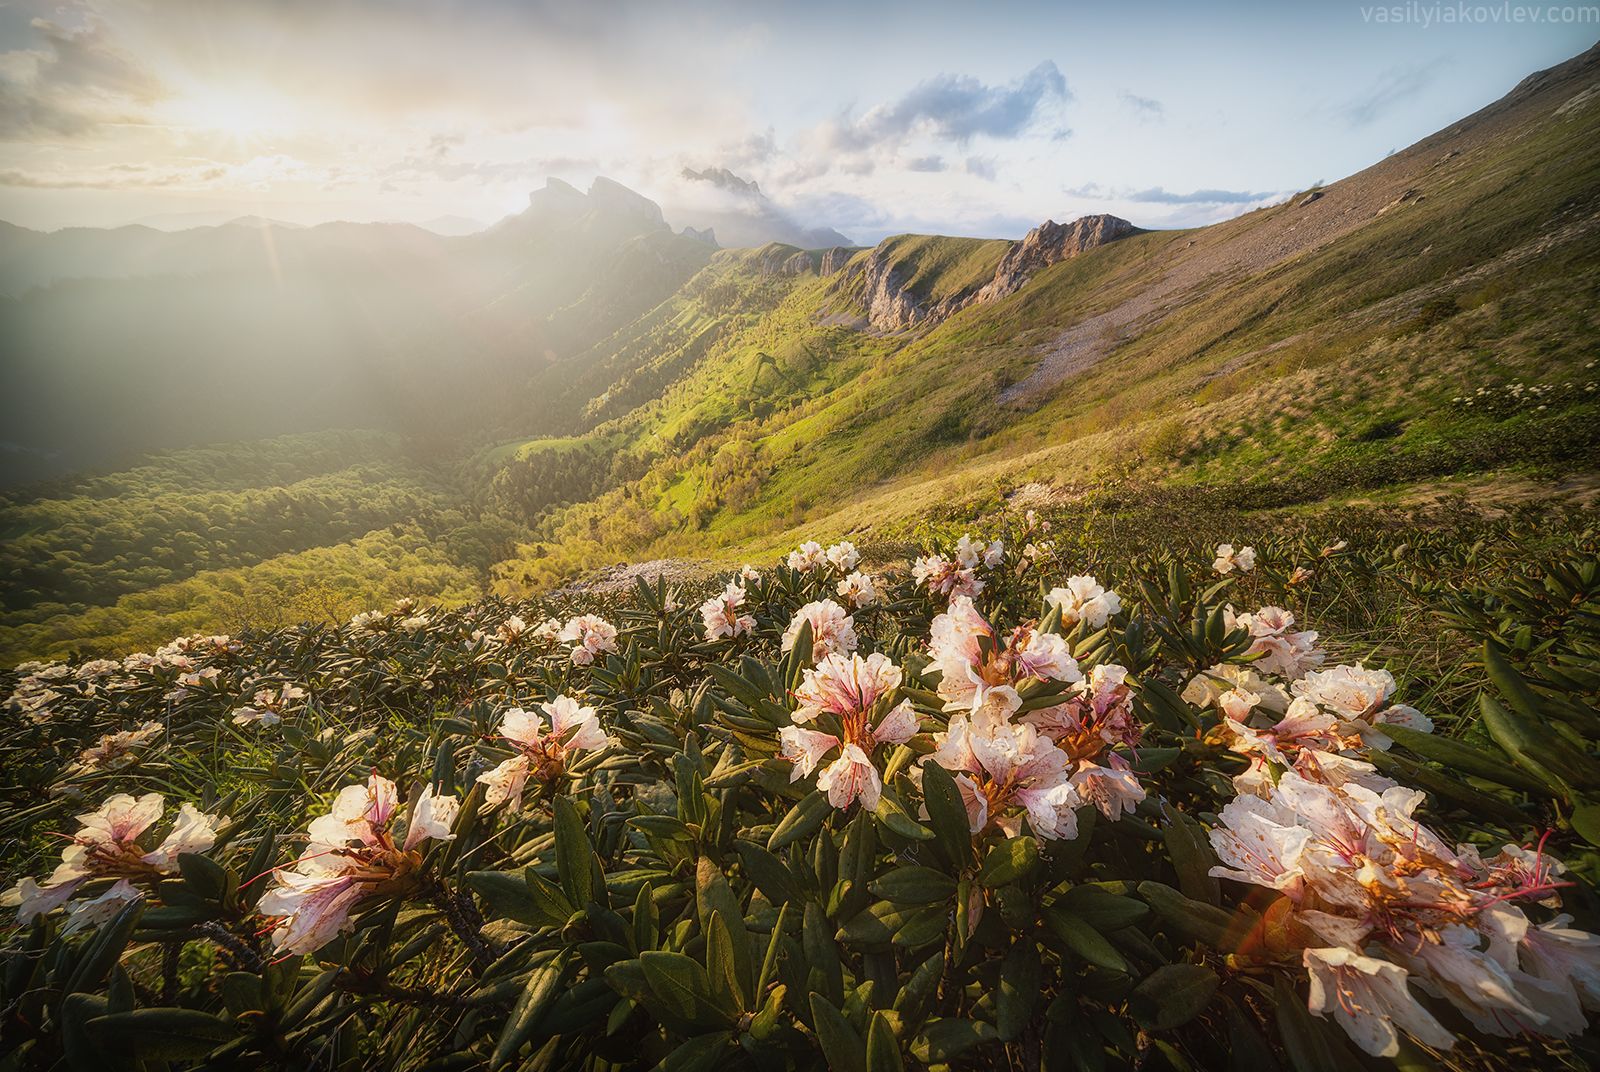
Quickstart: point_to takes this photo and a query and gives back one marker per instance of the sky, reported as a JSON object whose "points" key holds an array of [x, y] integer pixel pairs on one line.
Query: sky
{"points": [[872, 118]]}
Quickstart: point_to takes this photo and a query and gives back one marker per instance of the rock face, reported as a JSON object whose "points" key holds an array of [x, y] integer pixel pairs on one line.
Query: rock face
{"points": [[1047, 244], [708, 235], [891, 306], [836, 258]]}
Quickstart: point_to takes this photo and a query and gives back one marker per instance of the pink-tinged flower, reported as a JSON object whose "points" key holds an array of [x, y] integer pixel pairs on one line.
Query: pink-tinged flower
{"points": [[1006, 772], [972, 553], [107, 846], [1208, 686], [749, 573], [1360, 700], [1561, 954], [542, 754], [1086, 600], [844, 693], [589, 635], [102, 909], [845, 685], [1304, 726], [1097, 715], [1282, 651], [1369, 998], [832, 630], [945, 577], [1301, 575], [807, 557], [849, 778], [723, 614], [1045, 656], [1113, 788], [1228, 559], [116, 750], [353, 855], [804, 748], [858, 590], [1261, 842], [843, 556], [899, 725], [1497, 999]]}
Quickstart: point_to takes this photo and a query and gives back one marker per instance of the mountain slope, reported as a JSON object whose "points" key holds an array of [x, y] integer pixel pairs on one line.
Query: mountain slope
{"points": [[1306, 351]]}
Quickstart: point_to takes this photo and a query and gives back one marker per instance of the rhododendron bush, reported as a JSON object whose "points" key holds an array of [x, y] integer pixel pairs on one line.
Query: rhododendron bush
{"points": [[980, 807]]}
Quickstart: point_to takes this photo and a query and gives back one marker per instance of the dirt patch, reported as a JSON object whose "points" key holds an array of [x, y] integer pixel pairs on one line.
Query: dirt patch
{"points": [[623, 576]]}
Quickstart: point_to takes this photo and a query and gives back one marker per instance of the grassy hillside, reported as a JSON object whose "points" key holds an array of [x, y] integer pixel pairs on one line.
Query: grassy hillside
{"points": [[264, 533], [1327, 348]]}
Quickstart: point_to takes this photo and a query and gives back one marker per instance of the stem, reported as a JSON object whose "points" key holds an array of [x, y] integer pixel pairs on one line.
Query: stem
{"points": [[465, 921]]}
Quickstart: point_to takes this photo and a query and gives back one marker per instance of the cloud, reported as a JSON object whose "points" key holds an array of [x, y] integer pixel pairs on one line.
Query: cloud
{"points": [[926, 163], [1393, 86], [1145, 107], [1155, 195], [952, 108], [982, 166], [72, 81]]}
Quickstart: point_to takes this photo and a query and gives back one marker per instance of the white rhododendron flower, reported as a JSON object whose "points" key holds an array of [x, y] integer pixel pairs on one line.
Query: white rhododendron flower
{"points": [[1208, 686], [544, 751], [723, 615], [1387, 901], [1007, 772], [1229, 560], [977, 674], [1084, 599], [832, 629], [972, 553], [118, 749], [107, 845], [1360, 699], [1283, 651], [946, 577], [850, 698], [589, 635], [858, 590], [354, 854], [807, 557], [843, 556]]}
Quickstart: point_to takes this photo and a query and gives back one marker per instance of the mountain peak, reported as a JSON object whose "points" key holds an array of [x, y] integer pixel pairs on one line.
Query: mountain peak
{"points": [[607, 193]]}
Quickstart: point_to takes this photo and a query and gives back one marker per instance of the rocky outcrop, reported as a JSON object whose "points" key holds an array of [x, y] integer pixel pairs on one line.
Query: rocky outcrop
{"points": [[609, 195], [708, 235], [1047, 244], [834, 260], [892, 307]]}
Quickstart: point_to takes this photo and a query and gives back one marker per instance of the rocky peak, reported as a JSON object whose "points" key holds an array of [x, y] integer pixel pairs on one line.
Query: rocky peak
{"points": [[892, 307], [708, 235], [1047, 244], [608, 194]]}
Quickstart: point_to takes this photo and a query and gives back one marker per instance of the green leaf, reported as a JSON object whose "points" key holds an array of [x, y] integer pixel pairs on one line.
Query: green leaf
{"points": [[947, 814], [1008, 861], [514, 895], [944, 1040], [162, 1033], [1463, 758], [714, 897], [883, 1048], [721, 963], [1088, 943], [841, 1045], [684, 989], [894, 817], [538, 994], [574, 854], [1190, 852], [1173, 995], [768, 873], [914, 885], [802, 821], [1018, 995], [1102, 909]]}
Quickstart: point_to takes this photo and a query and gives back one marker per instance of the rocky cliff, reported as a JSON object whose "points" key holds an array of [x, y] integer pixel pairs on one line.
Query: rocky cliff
{"points": [[881, 281]]}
